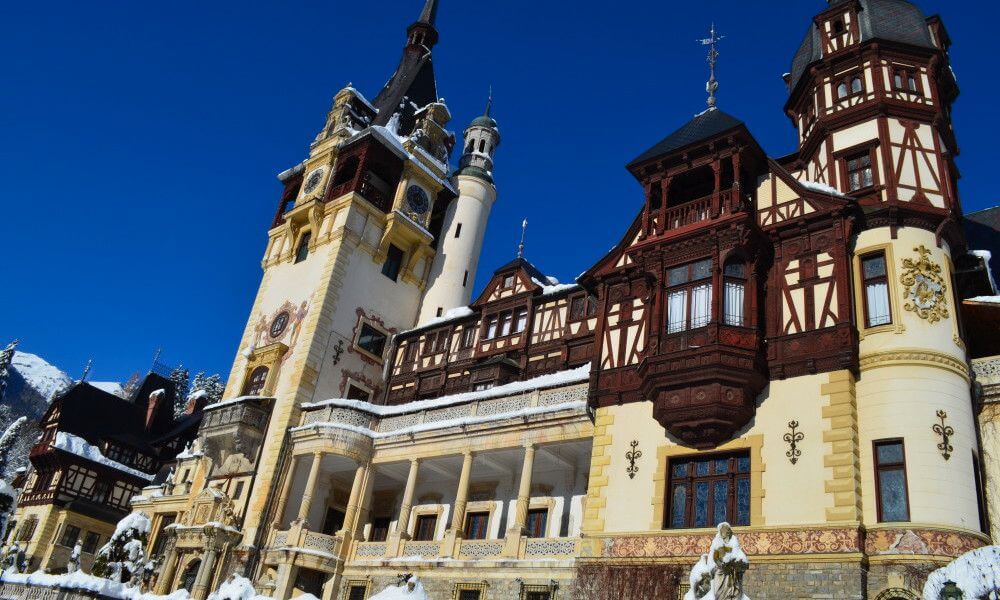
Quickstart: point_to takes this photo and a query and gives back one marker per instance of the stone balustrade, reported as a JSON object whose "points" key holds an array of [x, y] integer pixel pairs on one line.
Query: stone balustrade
{"points": [[492, 549], [249, 412]]}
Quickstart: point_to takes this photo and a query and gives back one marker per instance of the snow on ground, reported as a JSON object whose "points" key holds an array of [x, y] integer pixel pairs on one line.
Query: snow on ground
{"points": [[68, 442], [977, 573], [402, 592], [45, 378], [88, 583], [822, 188]]}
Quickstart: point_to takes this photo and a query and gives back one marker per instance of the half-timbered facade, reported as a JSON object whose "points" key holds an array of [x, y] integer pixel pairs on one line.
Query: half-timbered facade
{"points": [[775, 342]]}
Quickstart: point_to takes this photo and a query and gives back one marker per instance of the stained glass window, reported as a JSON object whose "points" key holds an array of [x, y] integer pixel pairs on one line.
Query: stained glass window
{"points": [[705, 491], [890, 474]]}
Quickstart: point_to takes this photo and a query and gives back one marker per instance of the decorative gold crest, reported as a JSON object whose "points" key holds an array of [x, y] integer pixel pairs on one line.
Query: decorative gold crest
{"points": [[925, 288]]}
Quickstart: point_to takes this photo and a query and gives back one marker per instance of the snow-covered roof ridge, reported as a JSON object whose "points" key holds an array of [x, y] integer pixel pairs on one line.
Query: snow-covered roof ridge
{"points": [[67, 442], [554, 287], [452, 314], [987, 256], [985, 299], [577, 375]]}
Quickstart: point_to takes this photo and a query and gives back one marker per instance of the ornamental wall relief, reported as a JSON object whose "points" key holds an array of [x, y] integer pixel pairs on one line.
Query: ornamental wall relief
{"points": [[924, 287], [282, 325]]}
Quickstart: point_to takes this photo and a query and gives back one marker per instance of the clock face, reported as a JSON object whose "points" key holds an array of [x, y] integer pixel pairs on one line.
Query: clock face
{"points": [[417, 198], [315, 178]]}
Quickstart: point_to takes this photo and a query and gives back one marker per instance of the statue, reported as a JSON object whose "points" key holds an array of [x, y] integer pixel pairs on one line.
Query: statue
{"points": [[718, 575], [73, 565]]}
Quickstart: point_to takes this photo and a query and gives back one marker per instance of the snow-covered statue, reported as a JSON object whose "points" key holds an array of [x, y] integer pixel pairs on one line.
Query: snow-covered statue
{"points": [[411, 590], [976, 574], [73, 565], [718, 575]]}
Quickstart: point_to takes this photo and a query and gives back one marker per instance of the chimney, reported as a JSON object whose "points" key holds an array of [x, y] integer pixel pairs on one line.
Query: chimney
{"points": [[196, 402], [155, 399]]}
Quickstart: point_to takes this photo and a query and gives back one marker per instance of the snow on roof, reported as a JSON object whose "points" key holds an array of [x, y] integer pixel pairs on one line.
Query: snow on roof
{"points": [[569, 376], [987, 256], [287, 173], [822, 188], [977, 573], [452, 314], [554, 287], [361, 97], [985, 299], [45, 378], [111, 387], [67, 442]]}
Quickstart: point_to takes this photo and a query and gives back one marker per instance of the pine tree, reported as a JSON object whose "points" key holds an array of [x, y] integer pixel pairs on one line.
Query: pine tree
{"points": [[182, 387], [6, 357], [123, 558], [212, 385], [131, 385], [8, 439]]}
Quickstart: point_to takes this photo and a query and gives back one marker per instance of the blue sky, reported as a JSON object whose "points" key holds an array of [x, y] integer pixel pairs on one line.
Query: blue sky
{"points": [[139, 141]]}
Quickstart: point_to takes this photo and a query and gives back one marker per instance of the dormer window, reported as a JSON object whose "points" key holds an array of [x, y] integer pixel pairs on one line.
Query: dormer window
{"points": [[508, 281], [838, 26]]}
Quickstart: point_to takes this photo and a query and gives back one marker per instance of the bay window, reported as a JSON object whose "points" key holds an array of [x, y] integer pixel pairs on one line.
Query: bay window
{"points": [[689, 296]]}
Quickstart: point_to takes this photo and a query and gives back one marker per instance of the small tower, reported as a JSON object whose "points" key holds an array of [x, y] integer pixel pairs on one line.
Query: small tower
{"points": [[454, 270]]}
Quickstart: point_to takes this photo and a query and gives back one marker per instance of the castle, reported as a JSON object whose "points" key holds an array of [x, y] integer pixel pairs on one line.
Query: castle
{"points": [[781, 343]]}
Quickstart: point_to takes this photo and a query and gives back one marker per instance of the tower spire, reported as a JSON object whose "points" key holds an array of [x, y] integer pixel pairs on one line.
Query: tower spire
{"points": [[429, 14], [489, 103], [713, 56]]}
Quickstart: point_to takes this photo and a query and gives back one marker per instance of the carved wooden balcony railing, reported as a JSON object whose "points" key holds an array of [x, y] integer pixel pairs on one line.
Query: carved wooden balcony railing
{"points": [[726, 202]]}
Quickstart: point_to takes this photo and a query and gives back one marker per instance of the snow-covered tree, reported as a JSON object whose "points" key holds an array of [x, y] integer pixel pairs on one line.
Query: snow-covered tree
{"points": [[212, 385], [123, 558], [6, 357], [132, 384], [8, 438], [182, 387]]}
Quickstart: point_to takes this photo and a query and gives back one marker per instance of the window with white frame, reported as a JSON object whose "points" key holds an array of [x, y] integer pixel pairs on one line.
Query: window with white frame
{"points": [[735, 285], [689, 296]]}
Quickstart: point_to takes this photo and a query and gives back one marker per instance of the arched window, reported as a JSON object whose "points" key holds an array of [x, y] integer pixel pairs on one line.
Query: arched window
{"points": [[255, 383], [842, 90], [856, 86], [482, 145], [734, 290], [190, 574], [302, 252], [471, 147]]}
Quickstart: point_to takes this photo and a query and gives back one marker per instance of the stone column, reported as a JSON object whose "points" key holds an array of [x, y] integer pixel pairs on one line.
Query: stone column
{"points": [[450, 547], [516, 532], [462, 494], [286, 489], [403, 522], [354, 502], [203, 581], [166, 577], [524, 489], [311, 483]]}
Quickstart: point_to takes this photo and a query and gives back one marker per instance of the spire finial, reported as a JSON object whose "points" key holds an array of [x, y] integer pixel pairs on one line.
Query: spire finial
{"points": [[429, 14], [86, 370], [713, 56], [524, 231], [489, 102]]}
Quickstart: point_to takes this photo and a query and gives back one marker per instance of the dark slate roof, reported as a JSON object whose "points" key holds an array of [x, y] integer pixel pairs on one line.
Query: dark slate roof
{"points": [[891, 20], [706, 125], [530, 269]]}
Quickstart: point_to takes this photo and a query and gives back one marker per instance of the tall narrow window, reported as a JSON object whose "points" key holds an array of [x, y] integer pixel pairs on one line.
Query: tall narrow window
{"points": [[876, 286], [842, 90], [302, 252], [491, 327], [465, 279], [255, 383], [69, 537], [977, 476], [537, 522], [458, 230], [505, 321], [890, 481], [442, 341], [393, 262], [704, 491], [425, 528], [856, 85], [468, 337], [380, 529], [520, 320], [689, 296], [859, 171], [476, 525], [735, 291]]}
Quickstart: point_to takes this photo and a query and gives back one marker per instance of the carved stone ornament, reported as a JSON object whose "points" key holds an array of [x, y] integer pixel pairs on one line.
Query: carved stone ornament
{"points": [[924, 287]]}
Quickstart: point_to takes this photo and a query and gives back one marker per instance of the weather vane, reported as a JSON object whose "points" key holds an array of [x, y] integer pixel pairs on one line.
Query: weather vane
{"points": [[713, 56], [520, 247]]}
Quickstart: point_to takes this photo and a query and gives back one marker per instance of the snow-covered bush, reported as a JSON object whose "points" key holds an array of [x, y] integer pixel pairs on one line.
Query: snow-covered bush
{"points": [[123, 558], [976, 573]]}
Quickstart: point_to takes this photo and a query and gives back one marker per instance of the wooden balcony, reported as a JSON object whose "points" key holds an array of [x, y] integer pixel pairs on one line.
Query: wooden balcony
{"points": [[713, 206]]}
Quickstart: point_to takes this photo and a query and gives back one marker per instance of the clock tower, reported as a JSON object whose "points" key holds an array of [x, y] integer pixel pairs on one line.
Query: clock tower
{"points": [[349, 253]]}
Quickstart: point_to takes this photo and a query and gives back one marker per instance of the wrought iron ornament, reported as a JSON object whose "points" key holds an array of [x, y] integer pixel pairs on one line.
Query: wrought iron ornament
{"points": [[713, 56], [631, 456], [792, 439], [945, 431]]}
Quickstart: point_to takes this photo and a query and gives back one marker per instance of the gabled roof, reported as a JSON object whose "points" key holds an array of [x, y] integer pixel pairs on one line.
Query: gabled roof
{"points": [[708, 124], [530, 269]]}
